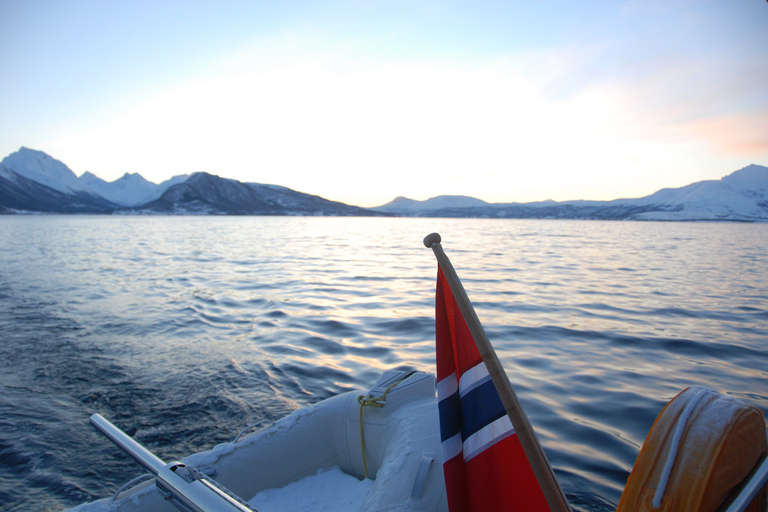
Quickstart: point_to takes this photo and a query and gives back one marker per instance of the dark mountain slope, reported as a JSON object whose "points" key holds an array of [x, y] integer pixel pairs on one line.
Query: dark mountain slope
{"points": [[204, 193], [18, 193]]}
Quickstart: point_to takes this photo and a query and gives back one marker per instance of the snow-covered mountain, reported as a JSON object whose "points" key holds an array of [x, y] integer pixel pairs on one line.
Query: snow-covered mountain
{"points": [[39, 167], [410, 207], [740, 196], [131, 189], [35, 182], [31, 181], [21, 194]]}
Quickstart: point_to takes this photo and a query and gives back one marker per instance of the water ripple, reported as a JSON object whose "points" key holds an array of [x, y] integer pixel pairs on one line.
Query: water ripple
{"points": [[184, 330]]}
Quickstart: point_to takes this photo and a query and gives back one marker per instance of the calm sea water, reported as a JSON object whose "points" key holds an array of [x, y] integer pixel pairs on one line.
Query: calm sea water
{"points": [[184, 329]]}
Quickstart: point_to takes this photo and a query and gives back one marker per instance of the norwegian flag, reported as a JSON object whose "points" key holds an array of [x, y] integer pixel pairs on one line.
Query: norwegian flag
{"points": [[484, 463]]}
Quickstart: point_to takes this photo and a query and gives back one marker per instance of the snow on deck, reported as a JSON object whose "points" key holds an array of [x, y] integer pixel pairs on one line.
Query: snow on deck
{"points": [[329, 490]]}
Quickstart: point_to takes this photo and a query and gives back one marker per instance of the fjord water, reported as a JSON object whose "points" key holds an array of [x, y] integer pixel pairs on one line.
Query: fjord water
{"points": [[181, 330]]}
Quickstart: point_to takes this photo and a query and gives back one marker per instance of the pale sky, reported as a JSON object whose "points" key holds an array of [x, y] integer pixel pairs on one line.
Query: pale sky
{"points": [[362, 101]]}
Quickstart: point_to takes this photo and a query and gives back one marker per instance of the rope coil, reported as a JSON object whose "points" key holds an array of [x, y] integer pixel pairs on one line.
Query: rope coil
{"points": [[377, 402]]}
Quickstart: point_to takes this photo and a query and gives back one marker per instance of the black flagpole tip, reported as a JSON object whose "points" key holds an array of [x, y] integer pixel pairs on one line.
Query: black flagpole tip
{"points": [[431, 240]]}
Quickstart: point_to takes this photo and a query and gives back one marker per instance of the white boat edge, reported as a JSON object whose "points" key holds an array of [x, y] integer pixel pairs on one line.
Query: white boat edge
{"points": [[402, 451]]}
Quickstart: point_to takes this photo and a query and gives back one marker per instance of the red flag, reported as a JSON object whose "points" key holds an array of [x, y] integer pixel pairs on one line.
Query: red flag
{"points": [[484, 463]]}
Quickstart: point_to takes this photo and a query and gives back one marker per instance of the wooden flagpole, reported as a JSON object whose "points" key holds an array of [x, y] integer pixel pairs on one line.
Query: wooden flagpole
{"points": [[536, 457]]}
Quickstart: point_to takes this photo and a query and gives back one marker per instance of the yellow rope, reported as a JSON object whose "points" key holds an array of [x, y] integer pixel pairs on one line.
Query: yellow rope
{"points": [[371, 401]]}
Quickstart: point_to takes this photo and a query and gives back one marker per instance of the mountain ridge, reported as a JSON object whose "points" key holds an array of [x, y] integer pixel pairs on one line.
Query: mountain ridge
{"points": [[44, 169], [32, 181], [131, 189], [739, 196], [19, 193], [203, 193]]}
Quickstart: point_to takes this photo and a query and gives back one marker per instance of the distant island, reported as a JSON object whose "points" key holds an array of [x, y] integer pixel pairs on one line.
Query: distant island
{"points": [[34, 182]]}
